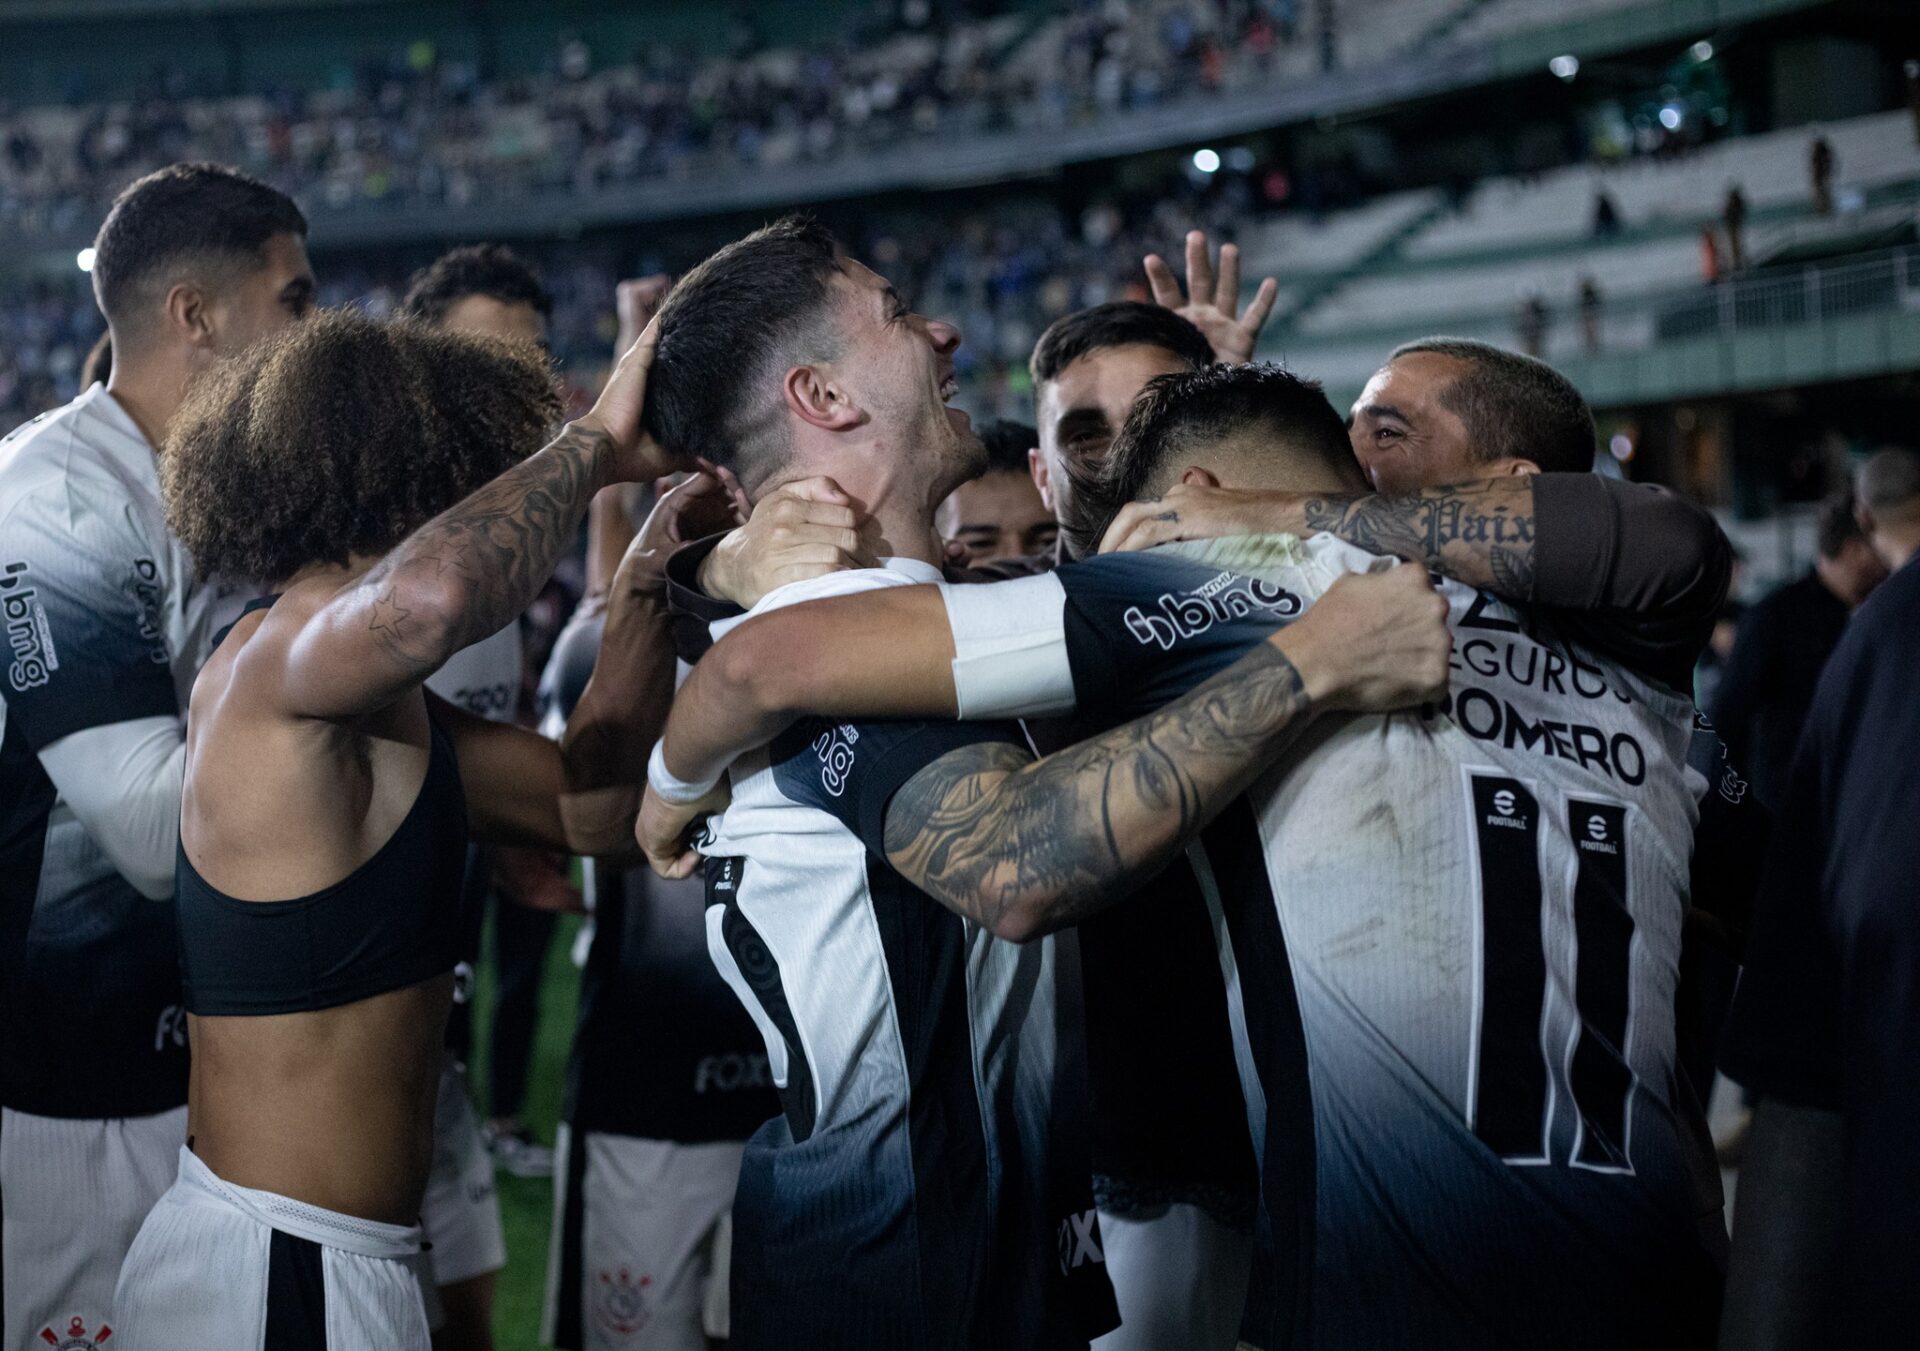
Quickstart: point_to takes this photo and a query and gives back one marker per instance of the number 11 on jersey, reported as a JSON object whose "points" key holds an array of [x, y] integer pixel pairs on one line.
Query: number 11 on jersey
{"points": [[1512, 1088]]}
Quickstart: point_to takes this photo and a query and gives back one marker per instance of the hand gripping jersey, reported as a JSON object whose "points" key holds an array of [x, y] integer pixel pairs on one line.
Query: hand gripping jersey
{"points": [[1453, 939], [104, 624], [927, 1185]]}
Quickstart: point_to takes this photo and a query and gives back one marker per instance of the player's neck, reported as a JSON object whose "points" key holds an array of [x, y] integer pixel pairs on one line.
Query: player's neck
{"points": [[888, 491], [151, 391]]}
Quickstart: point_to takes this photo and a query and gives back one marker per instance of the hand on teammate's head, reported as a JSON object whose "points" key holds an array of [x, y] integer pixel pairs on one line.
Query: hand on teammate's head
{"points": [[637, 456], [1375, 642], [798, 531]]}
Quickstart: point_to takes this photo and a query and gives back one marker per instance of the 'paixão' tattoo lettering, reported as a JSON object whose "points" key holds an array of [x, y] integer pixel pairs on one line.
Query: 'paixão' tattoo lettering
{"points": [[1025, 847], [1477, 533]]}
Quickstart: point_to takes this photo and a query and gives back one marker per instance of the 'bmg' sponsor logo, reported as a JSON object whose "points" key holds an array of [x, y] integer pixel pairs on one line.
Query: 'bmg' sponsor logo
{"points": [[27, 632], [835, 749], [1228, 597]]}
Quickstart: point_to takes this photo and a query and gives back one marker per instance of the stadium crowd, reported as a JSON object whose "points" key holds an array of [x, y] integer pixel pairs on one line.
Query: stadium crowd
{"points": [[1185, 868], [420, 131]]}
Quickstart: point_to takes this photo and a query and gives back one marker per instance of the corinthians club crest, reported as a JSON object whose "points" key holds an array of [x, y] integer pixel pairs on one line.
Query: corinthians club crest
{"points": [[622, 1303], [75, 1337]]}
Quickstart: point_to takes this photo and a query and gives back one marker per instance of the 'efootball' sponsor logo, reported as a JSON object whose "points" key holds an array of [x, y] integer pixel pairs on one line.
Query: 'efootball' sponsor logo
{"points": [[27, 631]]}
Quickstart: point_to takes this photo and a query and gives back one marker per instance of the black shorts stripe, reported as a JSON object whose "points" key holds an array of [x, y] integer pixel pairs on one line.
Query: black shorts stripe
{"points": [[296, 1296]]}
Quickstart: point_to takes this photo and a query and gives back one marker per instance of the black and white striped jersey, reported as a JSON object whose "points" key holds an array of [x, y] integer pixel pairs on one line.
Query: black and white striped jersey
{"points": [[1453, 938], [106, 628], [928, 1182]]}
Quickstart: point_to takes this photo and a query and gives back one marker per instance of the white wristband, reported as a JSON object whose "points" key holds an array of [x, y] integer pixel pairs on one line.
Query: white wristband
{"points": [[668, 788]]}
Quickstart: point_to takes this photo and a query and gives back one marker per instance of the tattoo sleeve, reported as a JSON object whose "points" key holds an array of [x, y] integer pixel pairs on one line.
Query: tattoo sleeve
{"points": [[1477, 533], [474, 568], [1025, 847]]}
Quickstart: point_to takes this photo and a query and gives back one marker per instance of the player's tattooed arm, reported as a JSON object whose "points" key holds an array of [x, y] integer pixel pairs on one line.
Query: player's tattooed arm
{"points": [[471, 570], [1025, 847], [1478, 533]]}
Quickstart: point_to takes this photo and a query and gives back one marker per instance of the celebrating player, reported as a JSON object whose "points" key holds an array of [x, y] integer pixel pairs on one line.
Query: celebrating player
{"points": [[1466, 1050], [324, 822], [192, 263]]}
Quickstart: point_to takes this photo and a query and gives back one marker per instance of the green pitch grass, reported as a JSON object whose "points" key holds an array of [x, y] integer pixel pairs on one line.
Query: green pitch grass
{"points": [[526, 1205]]}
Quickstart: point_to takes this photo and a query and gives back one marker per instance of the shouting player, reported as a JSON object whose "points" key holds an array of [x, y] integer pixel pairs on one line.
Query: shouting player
{"points": [[324, 822], [932, 1127], [108, 626], [1455, 935]]}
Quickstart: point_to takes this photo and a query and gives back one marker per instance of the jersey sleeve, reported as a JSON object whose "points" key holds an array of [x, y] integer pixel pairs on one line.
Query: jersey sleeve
{"points": [[852, 770], [82, 599], [1142, 629]]}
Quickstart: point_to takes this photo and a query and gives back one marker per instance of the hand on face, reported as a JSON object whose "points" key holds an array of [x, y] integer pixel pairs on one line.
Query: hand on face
{"points": [[800, 530], [1213, 306], [1373, 643]]}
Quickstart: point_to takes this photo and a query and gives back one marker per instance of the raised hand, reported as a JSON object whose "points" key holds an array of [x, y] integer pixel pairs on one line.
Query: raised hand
{"points": [[634, 305], [1213, 305]]}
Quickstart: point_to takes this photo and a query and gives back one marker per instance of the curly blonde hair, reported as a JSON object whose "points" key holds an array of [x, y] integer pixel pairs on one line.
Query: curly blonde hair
{"points": [[342, 435]]}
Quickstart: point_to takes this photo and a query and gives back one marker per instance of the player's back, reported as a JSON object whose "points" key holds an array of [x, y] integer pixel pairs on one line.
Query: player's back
{"points": [[1456, 934]]}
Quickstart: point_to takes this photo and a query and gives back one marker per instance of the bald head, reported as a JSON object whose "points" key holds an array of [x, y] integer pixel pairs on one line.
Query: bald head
{"points": [[1888, 489]]}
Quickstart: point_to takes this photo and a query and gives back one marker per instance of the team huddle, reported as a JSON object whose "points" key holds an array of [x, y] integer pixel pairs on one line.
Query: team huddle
{"points": [[1277, 913]]}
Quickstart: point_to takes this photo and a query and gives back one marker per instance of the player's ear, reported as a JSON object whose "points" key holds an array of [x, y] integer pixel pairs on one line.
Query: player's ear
{"points": [[1515, 466], [1195, 476], [188, 314], [1042, 477], [814, 398]]}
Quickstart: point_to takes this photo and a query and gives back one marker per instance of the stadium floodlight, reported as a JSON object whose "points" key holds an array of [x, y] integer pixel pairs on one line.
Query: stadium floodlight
{"points": [[1701, 50], [1206, 161], [1566, 67], [84, 259]]}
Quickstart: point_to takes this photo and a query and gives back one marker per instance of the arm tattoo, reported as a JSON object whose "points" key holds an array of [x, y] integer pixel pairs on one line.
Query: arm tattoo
{"points": [[999, 836], [1477, 533], [475, 567]]}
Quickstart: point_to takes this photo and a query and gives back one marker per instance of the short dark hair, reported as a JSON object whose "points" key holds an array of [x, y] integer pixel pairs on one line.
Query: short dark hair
{"points": [[757, 306], [491, 270], [341, 436], [1178, 413], [1119, 323], [184, 213], [1514, 407], [1836, 524], [1007, 444]]}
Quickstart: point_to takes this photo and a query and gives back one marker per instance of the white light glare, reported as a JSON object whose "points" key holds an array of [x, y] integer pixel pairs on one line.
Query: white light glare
{"points": [[84, 259], [1701, 50], [1670, 117], [1566, 67], [1621, 447], [1206, 161]]}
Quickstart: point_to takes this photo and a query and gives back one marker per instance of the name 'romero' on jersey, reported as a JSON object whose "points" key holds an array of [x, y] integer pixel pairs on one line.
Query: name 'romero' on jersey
{"points": [[1454, 938]]}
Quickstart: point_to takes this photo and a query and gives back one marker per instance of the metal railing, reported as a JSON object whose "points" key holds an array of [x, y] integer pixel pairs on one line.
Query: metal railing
{"points": [[1801, 294]]}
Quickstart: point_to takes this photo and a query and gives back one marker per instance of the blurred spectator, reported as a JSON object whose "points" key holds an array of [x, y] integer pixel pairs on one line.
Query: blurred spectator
{"points": [[1820, 164], [1733, 217], [1826, 1026], [1531, 325], [1589, 314], [1889, 491], [1606, 215], [1709, 255], [1767, 685]]}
